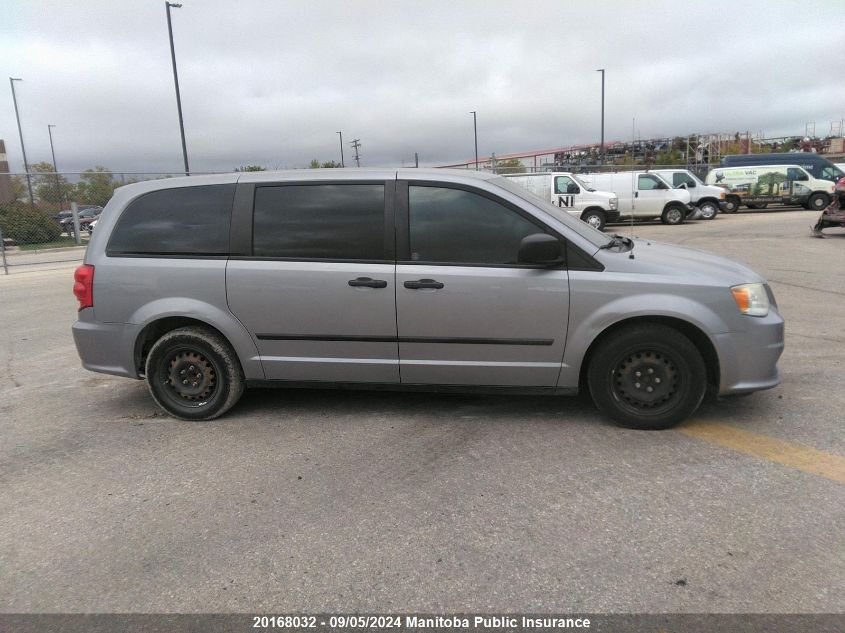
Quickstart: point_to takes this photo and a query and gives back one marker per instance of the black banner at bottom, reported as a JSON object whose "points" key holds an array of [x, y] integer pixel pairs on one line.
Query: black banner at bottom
{"points": [[442, 623]]}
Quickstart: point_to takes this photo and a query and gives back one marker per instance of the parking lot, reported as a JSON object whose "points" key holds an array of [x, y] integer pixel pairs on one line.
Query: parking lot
{"points": [[308, 500]]}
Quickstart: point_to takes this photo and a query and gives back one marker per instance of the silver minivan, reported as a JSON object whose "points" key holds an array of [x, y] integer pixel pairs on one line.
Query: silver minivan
{"points": [[408, 279]]}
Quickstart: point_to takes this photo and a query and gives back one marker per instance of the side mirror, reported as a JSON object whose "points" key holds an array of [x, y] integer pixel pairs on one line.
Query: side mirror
{"points": [[662, 185], [540, 248], [573, 188], [691, 185]]}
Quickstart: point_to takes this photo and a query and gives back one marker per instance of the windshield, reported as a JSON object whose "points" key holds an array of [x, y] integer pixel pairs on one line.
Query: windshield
{"points": [[595, 237]]}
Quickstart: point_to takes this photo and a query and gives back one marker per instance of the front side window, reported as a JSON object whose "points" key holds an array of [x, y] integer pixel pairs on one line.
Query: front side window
{"points": [[646, 182], [331, 221], [462, 227], [179, 221], [682, 179], [562, 184]]}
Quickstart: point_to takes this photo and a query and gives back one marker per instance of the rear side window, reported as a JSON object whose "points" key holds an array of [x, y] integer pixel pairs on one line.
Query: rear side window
{"points": [[335, 222], [183, 221]]}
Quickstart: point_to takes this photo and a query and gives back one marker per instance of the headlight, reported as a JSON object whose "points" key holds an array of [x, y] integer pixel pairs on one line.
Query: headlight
{"points": [[614, 202], [751, 299]]}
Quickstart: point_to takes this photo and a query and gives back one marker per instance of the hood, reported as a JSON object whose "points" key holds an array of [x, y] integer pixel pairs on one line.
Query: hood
{"points": [[668, 260]]}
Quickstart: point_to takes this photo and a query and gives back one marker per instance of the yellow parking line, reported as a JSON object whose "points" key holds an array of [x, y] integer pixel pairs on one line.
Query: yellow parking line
{"points": [[804, 458]]}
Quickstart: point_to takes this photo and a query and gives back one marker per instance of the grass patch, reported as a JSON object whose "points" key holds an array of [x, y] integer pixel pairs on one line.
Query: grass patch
{"points": [[62, 242]]}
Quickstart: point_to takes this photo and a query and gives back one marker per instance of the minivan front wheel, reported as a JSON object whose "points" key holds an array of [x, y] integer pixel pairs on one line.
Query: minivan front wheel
{"points": [[647, 377], [194, 374]]}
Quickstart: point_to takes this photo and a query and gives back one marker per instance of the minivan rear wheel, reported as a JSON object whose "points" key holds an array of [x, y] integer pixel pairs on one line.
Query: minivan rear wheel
{"points": [[647, 377], [194, 374]]}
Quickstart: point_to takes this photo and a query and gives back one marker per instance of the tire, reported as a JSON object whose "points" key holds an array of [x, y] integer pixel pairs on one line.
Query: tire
{"points": [[709, 210], [595, 218], [678, 377], [199, 354], [731, 204], [818, 202], [673, 214]]}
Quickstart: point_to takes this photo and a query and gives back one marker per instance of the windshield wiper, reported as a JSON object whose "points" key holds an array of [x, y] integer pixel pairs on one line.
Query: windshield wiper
{"points": [[620, 241]]}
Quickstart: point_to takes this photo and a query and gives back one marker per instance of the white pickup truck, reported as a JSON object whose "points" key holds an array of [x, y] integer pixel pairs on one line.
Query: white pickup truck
{"points": [[567, 191]]}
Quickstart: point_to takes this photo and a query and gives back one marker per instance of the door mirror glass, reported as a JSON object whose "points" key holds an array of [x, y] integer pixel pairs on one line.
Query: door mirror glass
{"points": [[573, 188], [540, 248]]}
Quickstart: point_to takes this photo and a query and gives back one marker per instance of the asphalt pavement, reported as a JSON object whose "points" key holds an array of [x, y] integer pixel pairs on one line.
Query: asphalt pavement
{"points": [[346, 501]]}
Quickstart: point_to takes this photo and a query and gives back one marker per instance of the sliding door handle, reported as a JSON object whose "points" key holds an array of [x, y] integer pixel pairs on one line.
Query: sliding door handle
{"points": [[423, 283], [366, 282]]}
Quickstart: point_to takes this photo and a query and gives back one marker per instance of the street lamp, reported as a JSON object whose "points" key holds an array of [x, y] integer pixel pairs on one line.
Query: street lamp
{"points": [[12, 81], [601, 70], [168, 5], [475, 133], [59, 191], [341, 149]]}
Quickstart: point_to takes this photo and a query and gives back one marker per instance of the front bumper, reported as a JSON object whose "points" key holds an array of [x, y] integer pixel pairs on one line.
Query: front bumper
{"points": [[611, 216], [748, 360]]}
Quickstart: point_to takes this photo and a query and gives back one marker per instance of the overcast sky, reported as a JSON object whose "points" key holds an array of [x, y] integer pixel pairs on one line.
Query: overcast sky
{"points": [[271, 83]]}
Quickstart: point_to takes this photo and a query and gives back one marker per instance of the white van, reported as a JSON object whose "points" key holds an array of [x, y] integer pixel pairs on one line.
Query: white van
{"points": [[708, 199], [758, 186], [644, 195], [565, 190]]}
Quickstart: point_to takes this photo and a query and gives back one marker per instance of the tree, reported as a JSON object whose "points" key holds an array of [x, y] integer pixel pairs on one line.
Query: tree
{"points": [[18, 186], [510, 166], [315, 164], [250, 168], [330, 164], [96, 186], [50, 187]]}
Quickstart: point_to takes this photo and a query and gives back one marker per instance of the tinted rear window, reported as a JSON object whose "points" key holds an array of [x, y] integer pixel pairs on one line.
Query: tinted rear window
{"points": [[183, 221], [336, 222]]}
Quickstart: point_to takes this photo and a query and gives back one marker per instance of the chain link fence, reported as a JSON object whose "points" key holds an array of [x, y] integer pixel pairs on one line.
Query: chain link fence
{"points": [[48, 217]]}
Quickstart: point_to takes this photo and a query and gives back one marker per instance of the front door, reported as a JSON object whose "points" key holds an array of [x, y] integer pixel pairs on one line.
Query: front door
{"points": [[468, 313], [567, 194], [317, 292], [650, 195]]}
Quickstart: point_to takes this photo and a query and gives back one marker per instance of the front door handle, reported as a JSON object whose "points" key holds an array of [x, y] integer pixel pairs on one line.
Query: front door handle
{"points": [[366, 282], [423, 283], [636, 194]]}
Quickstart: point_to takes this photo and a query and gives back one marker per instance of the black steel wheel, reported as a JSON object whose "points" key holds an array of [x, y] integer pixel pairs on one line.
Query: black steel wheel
{"points": [[647, 377], [194, 374], [731, 204]]}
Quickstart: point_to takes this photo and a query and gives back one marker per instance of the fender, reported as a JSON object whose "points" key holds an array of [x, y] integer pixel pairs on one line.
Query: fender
{"points": [[222, 320], [594, 320]]}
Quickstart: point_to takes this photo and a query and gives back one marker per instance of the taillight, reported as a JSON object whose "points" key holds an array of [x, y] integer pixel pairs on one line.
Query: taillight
{"points": [[83, 286]]}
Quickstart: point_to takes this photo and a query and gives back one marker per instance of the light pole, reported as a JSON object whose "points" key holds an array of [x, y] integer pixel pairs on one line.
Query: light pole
{"points": [[475, 134], [12, 81], [59, 191], [341, 149], [176, 81], [601, 70]]}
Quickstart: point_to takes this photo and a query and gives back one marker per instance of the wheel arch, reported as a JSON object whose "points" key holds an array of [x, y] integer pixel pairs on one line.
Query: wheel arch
{"points": [[693, 332]]}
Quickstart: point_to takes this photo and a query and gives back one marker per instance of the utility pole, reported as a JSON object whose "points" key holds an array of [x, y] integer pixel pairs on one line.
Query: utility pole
{"points": [[12, 81], [341, 150], [59, 191], [356, 144], [168, 5], [601, 70], [475, 134]]}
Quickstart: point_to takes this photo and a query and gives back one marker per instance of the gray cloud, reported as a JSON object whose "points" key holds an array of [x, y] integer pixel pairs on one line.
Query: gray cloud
{"points": [[271, 83]]}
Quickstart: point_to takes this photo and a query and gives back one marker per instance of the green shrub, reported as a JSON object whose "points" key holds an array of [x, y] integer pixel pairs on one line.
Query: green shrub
{"points": [[26, 224]]}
